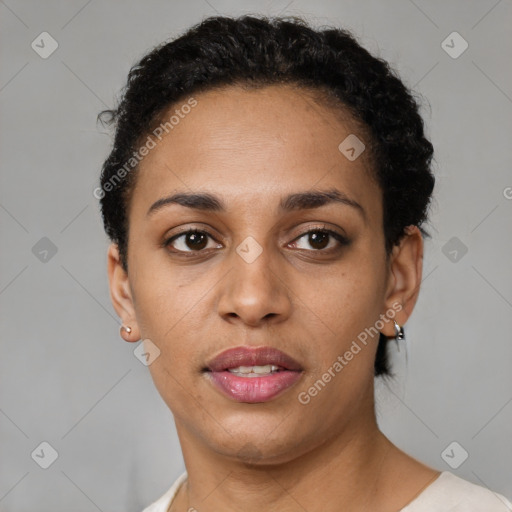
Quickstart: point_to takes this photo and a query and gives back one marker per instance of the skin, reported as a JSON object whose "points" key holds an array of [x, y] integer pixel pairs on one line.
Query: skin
{"points": [[252, 148]]}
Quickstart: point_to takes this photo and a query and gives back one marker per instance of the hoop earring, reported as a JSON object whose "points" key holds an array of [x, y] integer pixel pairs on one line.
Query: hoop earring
{"points": [[399, 334]]}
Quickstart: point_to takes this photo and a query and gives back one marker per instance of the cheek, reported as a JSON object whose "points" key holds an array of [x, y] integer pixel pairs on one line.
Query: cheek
{"points": [[339, 316], [174, 309], [162, 291], [346, 302], [168, 313]]}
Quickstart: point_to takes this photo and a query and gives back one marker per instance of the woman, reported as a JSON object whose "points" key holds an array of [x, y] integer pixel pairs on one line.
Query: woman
{"points": [[265, 198]]}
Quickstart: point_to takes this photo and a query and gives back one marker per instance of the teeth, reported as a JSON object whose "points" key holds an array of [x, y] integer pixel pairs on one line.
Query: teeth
{"points": [[254, 371]]}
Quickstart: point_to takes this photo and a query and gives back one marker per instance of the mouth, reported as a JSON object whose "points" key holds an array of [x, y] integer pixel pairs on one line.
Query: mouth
{"points": [[253, 375]]}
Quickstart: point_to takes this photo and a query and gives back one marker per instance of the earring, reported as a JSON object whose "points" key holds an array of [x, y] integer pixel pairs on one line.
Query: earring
{"points": [[399, 334], [126, 328]]}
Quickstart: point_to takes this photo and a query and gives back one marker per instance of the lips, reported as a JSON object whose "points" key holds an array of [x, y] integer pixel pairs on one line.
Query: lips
{"points": [[232, 373], [247, 356]]}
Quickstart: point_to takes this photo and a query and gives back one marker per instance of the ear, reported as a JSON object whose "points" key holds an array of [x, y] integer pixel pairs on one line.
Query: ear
{"points": [[121, 294], [405, 271]]}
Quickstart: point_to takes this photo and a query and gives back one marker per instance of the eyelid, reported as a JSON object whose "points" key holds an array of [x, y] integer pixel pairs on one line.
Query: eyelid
{"points": [[323, 227], [200, 228]]}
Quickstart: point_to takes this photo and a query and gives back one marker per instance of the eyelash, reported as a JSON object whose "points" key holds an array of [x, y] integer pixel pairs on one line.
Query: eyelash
{"points": [[342, 240]]}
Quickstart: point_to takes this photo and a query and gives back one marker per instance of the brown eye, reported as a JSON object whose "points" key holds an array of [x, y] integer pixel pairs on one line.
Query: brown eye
{"points": [[189, 241], [319, 239]]}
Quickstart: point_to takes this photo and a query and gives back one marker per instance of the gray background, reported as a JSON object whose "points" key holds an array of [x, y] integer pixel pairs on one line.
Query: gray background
{"points": [[67, 378]]}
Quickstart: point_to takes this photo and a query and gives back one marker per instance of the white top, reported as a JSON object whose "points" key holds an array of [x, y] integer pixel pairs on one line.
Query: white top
{"points": [[447, 493]]}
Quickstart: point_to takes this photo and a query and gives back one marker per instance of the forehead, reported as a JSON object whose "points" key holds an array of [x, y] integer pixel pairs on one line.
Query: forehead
{"points": [[259, 145]]}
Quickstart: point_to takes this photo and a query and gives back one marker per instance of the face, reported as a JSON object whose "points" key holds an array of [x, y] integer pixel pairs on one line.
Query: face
{"points": [[269, 265]]}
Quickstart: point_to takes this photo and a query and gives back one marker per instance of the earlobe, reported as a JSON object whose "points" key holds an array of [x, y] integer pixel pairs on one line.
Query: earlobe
{"points": [[125, 332], [405, 273], [121, 295]]}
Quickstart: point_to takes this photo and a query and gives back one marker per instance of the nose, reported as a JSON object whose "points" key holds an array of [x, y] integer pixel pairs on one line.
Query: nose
{"points": [[255, 293]]}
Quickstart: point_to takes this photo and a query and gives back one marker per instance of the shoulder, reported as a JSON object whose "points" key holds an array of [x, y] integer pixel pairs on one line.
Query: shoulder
{"points": [[163, 503], [450, 493]]}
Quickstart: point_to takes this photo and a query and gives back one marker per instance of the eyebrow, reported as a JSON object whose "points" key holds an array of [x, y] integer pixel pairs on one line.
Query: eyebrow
{"points": [[297, 201]]}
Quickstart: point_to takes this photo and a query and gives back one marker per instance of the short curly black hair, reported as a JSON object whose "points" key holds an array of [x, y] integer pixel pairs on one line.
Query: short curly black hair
{"points": [[259, 51]]}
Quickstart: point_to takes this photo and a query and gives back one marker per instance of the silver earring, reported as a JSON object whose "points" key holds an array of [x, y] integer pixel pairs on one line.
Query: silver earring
{"points": [[399, 334], [126, 328]]}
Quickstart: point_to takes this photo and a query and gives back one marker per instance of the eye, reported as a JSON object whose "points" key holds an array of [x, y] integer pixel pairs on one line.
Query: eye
{"points": [[192, 240], [195, 241], [319, 239]]}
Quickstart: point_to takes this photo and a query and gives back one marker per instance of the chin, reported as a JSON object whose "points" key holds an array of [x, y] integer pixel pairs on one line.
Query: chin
{"points": [[255, 439]]}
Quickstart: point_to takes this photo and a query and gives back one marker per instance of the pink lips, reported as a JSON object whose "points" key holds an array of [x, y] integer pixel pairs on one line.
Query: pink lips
{"points": [[253, 389]]}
